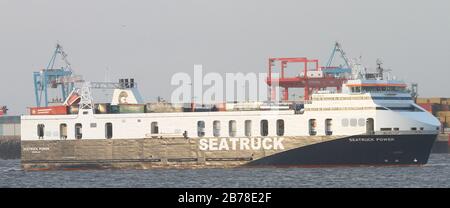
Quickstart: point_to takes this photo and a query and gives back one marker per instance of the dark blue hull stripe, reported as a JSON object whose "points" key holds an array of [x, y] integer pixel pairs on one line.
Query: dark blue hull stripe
{"points": [[357, 150]]}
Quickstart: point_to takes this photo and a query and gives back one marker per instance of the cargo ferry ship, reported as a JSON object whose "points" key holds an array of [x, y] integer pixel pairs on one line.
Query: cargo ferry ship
{"points": [[371, 121]]}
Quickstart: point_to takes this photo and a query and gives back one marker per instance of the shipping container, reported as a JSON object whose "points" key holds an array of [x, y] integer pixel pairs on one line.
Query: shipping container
{"points": [[74, 109], [446, 124], [435, 100], [427, 106], [162, 107], [102, 108], [443, 113], [221, 106], [51, 110], [430, 100], [445, 101], [114, 109], [132, 108], [73, 99], [422, 100]]}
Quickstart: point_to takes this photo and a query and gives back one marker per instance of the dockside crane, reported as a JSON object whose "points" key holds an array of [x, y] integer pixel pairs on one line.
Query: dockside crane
{"points": [[337, 70], [59, 79]]}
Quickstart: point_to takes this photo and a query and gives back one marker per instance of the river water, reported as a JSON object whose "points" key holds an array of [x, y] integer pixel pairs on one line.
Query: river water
{"points": [[435, 174]]}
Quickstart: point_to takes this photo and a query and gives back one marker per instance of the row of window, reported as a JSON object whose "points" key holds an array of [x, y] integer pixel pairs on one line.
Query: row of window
{"points": [[378, 89], [391, 98], [353, 122], [339, 108], [232, 128], [312, 127], [264, 128], [361, 98], [343, 98], [78, 130], [398, 129]]}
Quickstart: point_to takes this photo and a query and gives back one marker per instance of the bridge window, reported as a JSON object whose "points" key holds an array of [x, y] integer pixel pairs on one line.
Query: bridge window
{"points": [[63, 131], [248, 128], [40, 131], [216, 128], [200, 128], [356, 89], [108, 130], [78, 131], [232, 128], [264, 127], [383, 89]]}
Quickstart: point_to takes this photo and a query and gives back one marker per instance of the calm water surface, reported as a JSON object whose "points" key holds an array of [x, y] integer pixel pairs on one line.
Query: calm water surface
{"points": [[435, 174]]}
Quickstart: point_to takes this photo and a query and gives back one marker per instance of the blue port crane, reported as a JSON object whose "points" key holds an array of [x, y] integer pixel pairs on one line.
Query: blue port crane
{"points": [[56, 79], [337, 70]]}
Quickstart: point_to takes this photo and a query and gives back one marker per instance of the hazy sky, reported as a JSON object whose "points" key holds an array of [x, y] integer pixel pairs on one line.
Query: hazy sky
{"points": [[151, 40]]}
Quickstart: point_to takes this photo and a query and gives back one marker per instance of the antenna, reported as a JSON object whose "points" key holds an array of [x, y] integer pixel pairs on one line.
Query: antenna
{"points": [[414, 90], [381, 70]]}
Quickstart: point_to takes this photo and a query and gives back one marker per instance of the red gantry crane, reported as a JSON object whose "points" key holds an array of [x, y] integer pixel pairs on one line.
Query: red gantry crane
{"points": [[308, 79]]}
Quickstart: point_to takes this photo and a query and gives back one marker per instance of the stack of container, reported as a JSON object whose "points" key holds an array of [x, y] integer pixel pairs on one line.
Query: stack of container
{"points": [[102, 108], [131, 108], [163, 107], [50, 110], [439, 107]]}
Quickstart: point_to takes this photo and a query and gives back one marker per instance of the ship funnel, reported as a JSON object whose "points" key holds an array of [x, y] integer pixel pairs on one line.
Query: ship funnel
{"points": [[127, 93]]}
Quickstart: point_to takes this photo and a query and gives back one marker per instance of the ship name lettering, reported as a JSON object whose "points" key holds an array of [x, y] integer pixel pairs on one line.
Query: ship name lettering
{"points": [[371, 139], [218, 144], [36, 149]]}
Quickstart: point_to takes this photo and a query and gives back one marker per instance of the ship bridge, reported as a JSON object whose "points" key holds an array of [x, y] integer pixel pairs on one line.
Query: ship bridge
{"points": [[375, 86]]}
